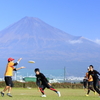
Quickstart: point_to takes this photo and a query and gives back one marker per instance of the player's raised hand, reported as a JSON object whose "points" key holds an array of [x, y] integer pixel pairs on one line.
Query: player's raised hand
{"points": [[19, 59]]}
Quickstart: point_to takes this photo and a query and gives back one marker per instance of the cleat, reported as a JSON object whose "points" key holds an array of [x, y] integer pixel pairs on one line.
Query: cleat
{"points": [[95, 93], [8, 94], [2, 94], [87, 95], [43, 96], [59, 94]]}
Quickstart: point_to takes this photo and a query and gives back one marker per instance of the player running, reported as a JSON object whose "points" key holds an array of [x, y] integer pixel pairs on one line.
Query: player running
{"points": [[90, 83], [8, 75], [43, 83], [94, 74]]}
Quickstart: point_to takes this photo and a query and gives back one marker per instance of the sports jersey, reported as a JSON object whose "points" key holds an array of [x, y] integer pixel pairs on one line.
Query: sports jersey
{"points": [[10, 68], [41, 79], [90, 78]]}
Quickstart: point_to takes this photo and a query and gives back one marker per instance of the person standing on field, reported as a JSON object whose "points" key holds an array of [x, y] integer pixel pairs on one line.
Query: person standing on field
{"points": [[8, 75]]}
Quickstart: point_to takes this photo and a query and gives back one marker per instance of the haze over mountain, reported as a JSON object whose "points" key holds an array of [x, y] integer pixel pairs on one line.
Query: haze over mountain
{"points": [[51, 48]]}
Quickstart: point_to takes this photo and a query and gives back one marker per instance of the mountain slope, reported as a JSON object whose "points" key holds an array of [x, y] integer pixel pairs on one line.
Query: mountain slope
{"points": [[32, 38], [32, 33]]}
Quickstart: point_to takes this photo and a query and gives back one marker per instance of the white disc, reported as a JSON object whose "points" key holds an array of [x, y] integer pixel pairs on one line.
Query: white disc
{"points": [[31, 61]]}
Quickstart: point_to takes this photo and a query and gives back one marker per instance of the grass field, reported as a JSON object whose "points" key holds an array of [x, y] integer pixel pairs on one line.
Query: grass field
{"points": [[34, 94]]}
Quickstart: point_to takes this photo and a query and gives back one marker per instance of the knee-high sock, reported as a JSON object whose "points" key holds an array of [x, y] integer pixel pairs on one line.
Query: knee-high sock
{"points": [[53, 89], [42, 91]]}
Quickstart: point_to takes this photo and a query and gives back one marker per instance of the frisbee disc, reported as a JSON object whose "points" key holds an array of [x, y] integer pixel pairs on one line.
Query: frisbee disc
{"points": [[31, 61]]}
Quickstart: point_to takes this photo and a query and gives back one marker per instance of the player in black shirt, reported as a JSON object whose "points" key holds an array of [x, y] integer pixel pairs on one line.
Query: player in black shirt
{"points": [[43, 83], [94, 74]]}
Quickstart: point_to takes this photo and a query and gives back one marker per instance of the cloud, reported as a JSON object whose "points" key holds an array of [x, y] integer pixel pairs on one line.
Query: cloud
{"points": [[97, 41], [75, 41]]}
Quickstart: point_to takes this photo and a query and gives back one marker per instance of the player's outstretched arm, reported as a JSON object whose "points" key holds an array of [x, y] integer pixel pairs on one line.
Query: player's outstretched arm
{"points": [[97, 72], [20, 68], [49, 84]]}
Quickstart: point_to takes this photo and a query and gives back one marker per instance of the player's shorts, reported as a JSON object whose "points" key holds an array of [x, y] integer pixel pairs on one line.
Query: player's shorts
{"points": [[8, 81], [46, 85], [90, 83]]}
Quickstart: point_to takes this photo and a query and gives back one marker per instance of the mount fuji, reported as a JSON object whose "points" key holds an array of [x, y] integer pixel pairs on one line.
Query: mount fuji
{"points": [[51, 48]]}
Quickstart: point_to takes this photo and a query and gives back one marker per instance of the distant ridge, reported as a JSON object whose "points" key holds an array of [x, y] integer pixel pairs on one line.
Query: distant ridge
{"points": [[31, 38]]}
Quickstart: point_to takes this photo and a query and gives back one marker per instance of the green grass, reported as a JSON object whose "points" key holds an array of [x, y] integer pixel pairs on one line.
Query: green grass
{"points": [[34, 94]]}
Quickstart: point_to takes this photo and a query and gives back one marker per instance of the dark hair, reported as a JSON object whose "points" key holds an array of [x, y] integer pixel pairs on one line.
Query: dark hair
{"points": [[91, 66], [37, 69]]}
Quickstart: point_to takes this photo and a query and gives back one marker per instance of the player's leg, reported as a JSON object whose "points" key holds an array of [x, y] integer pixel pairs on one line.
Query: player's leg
{"points": [[42, 88], [7, 86], [95, 87], [3, 92], [9, 92], [5, 89], [91, 87], [85, 86], [51, 88], [98, 84], [88, 89], [10, 87]]}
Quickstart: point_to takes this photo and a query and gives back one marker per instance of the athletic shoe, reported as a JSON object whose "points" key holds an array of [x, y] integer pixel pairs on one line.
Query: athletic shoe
{"points": [[59, 94], [95, 93], [8, 94], [87, 95], [43, 96], [2, 94]]}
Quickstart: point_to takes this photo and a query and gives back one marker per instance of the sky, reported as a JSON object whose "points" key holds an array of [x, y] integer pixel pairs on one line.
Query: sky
{"points": [[76, 17]]}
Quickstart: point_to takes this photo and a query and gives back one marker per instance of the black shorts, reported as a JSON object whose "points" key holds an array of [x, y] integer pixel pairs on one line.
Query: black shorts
{"points": [[90, 83], [46, 85], [8, 81]]}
